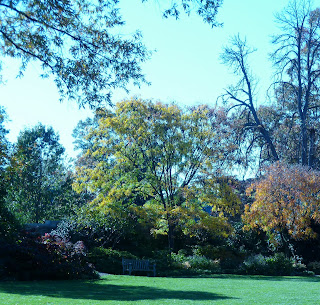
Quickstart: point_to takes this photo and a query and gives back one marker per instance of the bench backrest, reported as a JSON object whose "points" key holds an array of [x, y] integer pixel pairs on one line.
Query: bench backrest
{"points": [[136, 264]]}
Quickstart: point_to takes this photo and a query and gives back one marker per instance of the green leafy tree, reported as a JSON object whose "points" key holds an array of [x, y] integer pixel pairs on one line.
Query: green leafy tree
{"points": [[40, 185], [8, 223], [76, 42], [82, 142], [4, 144], [207, 9], [162, 160], [80, 44]]}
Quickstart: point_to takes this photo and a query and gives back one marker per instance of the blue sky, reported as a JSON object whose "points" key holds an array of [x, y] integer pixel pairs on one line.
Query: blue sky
{"points": [[185, 68]]}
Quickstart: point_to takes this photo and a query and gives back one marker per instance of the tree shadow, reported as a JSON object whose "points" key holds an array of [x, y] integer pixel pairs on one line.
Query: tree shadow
{"points": [[102, 290]]}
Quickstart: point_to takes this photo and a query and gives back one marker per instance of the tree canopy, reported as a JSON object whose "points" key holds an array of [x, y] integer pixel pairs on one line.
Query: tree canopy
{"points": [[79, 43], [286, 202], [4, 149], [283, 127], [8, 223], [297, 59], [76, 42], [160, 157], [207, 9], [39, 183]]}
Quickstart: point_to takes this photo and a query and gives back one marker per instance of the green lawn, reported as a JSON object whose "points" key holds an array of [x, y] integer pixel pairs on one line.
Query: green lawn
{"points": [[114, 289]]}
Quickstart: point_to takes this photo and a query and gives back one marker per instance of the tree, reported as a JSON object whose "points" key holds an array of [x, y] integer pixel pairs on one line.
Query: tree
{"points": [[297, 59], [40, 185], [8, 223], [82, 141], [4, 144], [162, 160], [251, 130], [286, 202], [74, 41], [79, 44], [286, 128], [207, 9]]}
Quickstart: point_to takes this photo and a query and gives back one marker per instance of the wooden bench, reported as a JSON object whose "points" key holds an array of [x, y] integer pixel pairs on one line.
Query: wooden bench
{"points": [[130, 265]]}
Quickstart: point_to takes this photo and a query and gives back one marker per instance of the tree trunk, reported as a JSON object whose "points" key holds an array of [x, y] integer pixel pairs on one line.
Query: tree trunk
{"points": [[304, 143], [170, 232], [311, 147], [38, 203], [268, 139], [287, 246], [171, 237]]}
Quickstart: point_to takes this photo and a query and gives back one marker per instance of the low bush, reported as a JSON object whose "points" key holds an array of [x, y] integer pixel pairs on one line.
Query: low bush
{"points": [[203, 263], [9, 224], [315, 267], [93, 227], [47, 257], [230, 259], [164, 261], [194, 262], [256, 264], [108, 260], [120, 229], [278, 264]]}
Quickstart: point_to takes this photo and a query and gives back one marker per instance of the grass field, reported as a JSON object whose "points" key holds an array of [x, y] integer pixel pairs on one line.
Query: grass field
{"points": [[115, 289]]}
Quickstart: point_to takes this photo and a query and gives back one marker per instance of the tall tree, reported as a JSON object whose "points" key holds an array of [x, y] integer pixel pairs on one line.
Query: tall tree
{"points": [[4, 144], [286, 129], [8, 223], [297, 59], [243, 97], [82, 141], [39, 182], [161, 158]]}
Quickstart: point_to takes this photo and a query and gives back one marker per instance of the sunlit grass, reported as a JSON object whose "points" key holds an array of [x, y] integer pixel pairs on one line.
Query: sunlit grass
{"points": [[114, 289]]}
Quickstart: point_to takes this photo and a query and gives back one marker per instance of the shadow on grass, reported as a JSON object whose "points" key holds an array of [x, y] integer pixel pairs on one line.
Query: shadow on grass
{"points": [[102, 290]]}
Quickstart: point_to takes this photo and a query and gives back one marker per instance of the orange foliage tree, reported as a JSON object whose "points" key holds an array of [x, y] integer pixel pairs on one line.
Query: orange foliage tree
{"points": [[286, 202]]}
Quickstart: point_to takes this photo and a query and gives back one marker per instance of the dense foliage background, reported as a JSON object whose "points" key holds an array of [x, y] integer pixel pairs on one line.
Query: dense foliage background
{"points": [[161, 181]]}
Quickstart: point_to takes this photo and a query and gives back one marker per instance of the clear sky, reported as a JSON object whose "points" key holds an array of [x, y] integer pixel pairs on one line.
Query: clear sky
{"points": [[185, 67]]}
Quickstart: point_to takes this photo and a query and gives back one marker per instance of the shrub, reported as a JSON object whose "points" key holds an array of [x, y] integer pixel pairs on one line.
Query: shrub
{"points": [[108, 260], [256, 264], [93, 227], [120, 229], [195, 262], [163, 260], [315, 267], [202, 263], [229, 258], [278, 264], [9, 224], [308, 273], [248, 242], [47, 257]]}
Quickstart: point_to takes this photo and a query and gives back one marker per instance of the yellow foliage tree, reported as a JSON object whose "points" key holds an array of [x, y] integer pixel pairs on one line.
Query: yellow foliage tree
{"points": [[161, 159]]}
